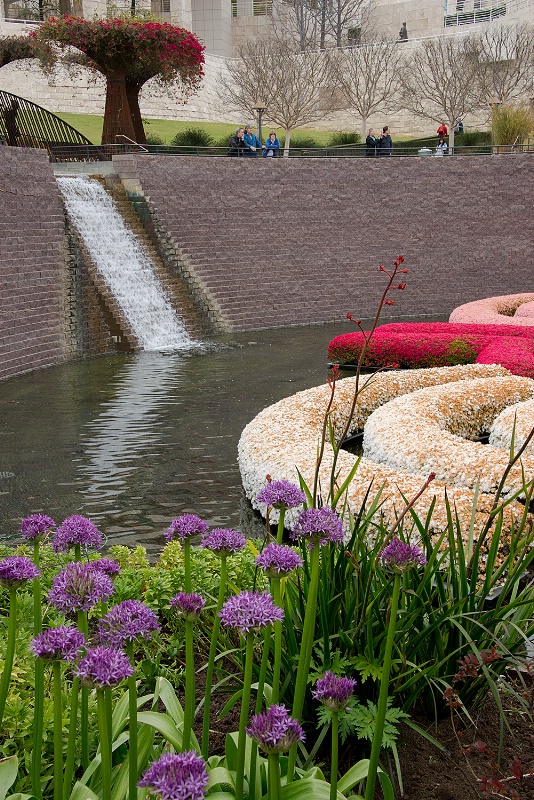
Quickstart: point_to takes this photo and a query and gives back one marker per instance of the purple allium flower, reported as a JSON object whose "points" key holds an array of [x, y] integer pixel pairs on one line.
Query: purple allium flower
{"points": [[76, 530], [188, 605], [102, 667], [63, 643], [275, 730], [78, 587], [318, 524], [180, 776], [250, 611], [186, 526], [126, 622], [334, 692], [224, 541], [106, 565], [281, 494], [36, 525], [277, 559], [15, 570], [400, 557]]}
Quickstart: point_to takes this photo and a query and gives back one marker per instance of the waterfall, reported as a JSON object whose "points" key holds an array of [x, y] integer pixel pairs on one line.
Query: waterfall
{"points": [[124, 265]]}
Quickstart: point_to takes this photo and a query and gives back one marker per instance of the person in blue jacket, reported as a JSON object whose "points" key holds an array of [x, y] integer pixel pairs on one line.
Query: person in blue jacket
{"points": [[271, 147], [252, 142]]}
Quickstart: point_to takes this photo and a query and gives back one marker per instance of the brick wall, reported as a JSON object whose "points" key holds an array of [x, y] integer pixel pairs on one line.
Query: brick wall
{"points": [[32, 329], [297, 241]]}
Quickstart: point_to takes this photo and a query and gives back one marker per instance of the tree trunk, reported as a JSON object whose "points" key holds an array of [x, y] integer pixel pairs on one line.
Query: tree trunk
{"points": [[451, 140], [117, 117], [363, 129], [65, 7], [287, 142], [132, 93]]}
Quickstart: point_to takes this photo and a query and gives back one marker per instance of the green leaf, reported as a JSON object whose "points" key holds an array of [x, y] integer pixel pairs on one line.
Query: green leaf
{"points": [[356, 774], [168, 696], [164, 725], [121, 782], [82, 792], [220, 776], [306, 789], [8, 774]]}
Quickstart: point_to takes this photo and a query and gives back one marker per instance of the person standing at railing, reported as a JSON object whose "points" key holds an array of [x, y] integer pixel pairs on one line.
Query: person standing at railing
{"points": [[371, 144], [441, 147], [237, 143], [10, 119], [385, 143], [271, 148], [442, 130], [252, 143]]}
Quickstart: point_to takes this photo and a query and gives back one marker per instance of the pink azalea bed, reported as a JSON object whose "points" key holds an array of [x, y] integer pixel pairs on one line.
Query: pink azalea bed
{"points": [[439, 344]]}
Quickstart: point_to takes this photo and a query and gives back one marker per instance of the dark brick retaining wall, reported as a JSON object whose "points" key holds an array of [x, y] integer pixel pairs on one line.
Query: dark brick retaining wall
{"points": [[32, 274], [299, 240]]}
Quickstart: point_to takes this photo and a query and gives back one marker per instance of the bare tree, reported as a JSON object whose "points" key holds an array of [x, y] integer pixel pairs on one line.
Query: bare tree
{"points": [[368, 78], [293, 84], [441, 80], [318, 23], [506, 63]]}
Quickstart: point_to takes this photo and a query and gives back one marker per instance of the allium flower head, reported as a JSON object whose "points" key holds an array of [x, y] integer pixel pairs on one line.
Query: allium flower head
{"points": [[188, 605], [277, 560], [275, 730], [224, 541], [186, 526], [400, 557], [106, 565], [78, 587], [103, 667], [250, 611], [180, 776], [76, 530], [62, 643], [126, 622], [281, 494], [15, 570], [36, 525], [334, 692], [318, 525]]}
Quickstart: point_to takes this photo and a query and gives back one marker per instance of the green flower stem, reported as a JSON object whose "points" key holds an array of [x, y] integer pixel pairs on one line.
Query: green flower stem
{"points": [[58, 731], [189, 704], [105, 743], [187, 565], [71, 741], [275, 787], [334, 759], [77, 552], [10, 649], [259, 703], [384, 691], [38, 706], [245, 706], [211, 661], [83, 626], [277, 597], [303, 669], [132, 709], [281, 520]]}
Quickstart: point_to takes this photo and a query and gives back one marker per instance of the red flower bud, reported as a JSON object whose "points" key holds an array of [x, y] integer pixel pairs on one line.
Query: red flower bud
{"points": [[389, 302]]}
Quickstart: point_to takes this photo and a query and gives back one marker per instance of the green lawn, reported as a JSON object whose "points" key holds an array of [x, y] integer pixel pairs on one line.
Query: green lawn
{"points": [[91, 126]]}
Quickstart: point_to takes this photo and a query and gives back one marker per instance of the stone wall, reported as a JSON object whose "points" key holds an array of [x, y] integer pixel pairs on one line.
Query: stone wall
{"points": [[32, 274], [293, 241]]}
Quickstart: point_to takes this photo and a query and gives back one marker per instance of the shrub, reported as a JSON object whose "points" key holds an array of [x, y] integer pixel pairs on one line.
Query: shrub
{"points": [[439, 344], [343, 138], [193, 137], [301, 141], [154, 139], [511, 123]]}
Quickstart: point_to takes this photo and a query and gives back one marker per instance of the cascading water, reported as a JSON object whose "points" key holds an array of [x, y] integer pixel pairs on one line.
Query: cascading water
{"points": [[124, 265]]}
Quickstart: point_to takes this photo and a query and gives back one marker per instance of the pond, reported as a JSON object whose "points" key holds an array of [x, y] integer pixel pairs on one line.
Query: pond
{"points": [[132, 441]]}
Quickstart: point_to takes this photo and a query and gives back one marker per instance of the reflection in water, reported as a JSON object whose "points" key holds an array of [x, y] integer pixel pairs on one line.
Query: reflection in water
{"points": [[124, 429]]}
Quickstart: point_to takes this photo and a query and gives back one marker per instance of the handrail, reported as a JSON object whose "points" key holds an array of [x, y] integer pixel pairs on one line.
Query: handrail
{"points": [[123, 136]]}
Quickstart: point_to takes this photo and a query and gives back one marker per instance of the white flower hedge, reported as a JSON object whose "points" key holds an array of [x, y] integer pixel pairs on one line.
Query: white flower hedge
{"points": [[285, 438], [517, 422]]}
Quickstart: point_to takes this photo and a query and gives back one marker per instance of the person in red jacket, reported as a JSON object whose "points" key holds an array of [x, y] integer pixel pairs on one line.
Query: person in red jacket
{"points": [[442, 130]]}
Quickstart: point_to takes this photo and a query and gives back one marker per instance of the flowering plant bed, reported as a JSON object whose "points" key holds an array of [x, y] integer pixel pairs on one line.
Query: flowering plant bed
{"points": [[507, 309], [415, 345]]}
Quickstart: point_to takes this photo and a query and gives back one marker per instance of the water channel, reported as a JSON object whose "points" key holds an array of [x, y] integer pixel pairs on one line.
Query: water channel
{"points": [[132, 441]]}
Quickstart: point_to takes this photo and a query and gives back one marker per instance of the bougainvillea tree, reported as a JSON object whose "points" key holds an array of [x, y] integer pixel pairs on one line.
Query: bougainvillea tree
{"points": [[129, 52]]}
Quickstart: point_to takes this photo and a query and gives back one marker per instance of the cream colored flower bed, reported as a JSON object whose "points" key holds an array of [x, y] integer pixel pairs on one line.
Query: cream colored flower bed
{"points": [[435, 425], [285, 437], [522, 417], [495, 310]]}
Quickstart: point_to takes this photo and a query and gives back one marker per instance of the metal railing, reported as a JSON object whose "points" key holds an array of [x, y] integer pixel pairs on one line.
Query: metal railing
{"points": [[65, 153]]}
